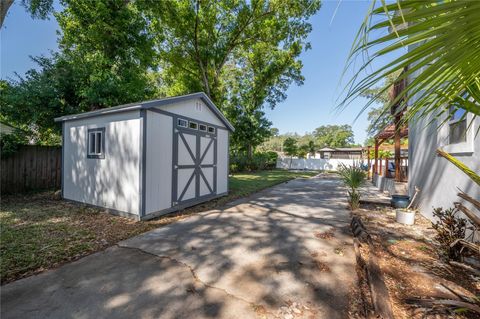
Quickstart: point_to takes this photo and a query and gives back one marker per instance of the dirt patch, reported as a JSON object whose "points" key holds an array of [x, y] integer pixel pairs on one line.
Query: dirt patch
{"points": [[413, 268]]}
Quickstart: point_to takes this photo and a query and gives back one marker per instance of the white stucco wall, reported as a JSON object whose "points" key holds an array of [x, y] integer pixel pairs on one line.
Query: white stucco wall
{"points": [[222, 161], [112, 182], [438, 179], [158, 192]]}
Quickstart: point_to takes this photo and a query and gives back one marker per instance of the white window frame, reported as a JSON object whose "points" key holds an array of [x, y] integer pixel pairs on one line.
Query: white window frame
{"points": [[211, 129], [192, 122], [97, 137], [466, 147], [202, 127], [456, 122], [181, 121]]}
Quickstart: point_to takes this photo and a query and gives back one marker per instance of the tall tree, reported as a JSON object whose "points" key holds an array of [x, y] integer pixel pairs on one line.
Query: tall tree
{"points": [[334, 135], [290, 148], [380, 116], [104, 60], [242, 54], [33, 101], [108, 44]]}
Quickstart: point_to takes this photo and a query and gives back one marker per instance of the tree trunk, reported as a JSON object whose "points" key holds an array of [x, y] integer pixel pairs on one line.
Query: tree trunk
{"points": [[4, 6], [250, 152]]}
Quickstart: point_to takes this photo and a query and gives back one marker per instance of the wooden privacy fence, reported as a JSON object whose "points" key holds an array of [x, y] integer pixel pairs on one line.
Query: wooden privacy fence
{"points": [[32, 168]]}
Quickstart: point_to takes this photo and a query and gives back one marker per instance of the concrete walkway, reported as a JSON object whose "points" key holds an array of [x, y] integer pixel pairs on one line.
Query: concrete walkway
{"points": [[285, 252]]}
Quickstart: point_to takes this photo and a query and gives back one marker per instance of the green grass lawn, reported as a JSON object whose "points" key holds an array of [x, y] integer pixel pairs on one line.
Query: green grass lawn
{"points": [[39, 231], [246, 183]]}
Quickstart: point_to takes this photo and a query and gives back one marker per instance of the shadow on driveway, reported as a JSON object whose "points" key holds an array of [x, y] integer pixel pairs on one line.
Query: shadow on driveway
{"points": [[284, 252]]}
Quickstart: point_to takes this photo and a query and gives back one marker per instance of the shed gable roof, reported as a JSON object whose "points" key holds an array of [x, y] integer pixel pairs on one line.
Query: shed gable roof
{"points": [[149, 104]]}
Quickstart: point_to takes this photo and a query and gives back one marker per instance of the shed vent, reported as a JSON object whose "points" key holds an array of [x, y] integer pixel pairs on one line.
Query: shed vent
{"points": [[198, 106]]}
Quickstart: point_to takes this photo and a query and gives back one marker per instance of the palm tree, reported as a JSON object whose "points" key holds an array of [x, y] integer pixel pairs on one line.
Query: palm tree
{"points": [[435, 43]]}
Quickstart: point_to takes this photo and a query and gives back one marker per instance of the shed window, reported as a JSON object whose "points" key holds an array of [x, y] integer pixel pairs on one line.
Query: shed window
{"points": [[211, 129], [96, 143], [182, 123], [192, 125], [457, 126], [202, 127]]}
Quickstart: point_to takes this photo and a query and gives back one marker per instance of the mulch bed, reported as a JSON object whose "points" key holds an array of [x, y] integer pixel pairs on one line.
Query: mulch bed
{"points": [[413, 267]]}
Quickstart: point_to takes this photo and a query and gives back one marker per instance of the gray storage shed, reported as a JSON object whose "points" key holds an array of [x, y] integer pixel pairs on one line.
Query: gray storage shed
{"points": [[146, 159]]}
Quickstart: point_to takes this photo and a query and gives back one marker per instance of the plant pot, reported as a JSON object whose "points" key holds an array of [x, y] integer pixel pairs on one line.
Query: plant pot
{"points": [[404, 216], [400, 201]]}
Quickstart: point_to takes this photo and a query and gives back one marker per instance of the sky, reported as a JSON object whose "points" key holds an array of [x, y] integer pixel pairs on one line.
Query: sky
{"points": [[306, 107]]}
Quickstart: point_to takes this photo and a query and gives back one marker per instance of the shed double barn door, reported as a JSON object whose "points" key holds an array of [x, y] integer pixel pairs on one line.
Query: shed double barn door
{"points": [[195, 165]]}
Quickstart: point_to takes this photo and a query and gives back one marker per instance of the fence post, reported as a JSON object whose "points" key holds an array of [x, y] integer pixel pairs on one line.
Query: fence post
{"points": [[386, 167]]}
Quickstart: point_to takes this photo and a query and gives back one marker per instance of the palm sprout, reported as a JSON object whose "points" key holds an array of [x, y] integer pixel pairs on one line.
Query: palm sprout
{"points": [[435, 43], [353, 177]]}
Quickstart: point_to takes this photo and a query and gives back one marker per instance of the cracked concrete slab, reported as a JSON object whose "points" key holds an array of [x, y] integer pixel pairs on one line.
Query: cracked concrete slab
{"points": [[285, 252]]}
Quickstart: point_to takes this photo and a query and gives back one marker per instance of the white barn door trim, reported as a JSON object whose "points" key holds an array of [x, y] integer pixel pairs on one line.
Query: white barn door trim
{"points": [[194, 164]]}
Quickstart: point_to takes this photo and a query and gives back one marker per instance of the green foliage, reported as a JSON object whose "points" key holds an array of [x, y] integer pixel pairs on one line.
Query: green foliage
{"points": [[449, 227], [381, 154], [242, 54], [312, 148], [32, 102], [290, 147], [39, 9], [9, 143], [274, 131], [302, 151], [104, 60], [353, 177], [379, 117], [240, 162], [251, 129], [334, 135], [310, 143], [441, 61], [107, 45]]}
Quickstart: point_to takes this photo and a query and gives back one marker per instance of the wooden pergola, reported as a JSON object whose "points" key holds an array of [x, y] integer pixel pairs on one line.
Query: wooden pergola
{"points": [[393, 131]]}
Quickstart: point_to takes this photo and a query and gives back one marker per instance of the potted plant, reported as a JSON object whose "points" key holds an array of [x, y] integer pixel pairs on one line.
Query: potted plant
{"points": [[406, 215]]}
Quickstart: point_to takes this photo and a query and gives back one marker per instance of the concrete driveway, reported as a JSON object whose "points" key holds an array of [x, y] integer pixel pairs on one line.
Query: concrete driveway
{"points": [[285, 252]]}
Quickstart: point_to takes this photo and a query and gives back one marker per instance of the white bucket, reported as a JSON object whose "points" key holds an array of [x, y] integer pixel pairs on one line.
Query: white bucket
{"points": [[404, 216]]}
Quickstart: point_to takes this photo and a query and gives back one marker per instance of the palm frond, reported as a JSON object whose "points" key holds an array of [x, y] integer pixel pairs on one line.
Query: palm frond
{"points": [[435, 43]]}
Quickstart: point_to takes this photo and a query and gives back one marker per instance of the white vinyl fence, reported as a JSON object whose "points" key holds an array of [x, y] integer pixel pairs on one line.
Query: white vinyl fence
{"points": [[314, 163]]}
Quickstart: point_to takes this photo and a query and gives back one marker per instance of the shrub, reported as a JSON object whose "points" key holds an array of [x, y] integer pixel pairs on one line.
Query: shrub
{"points": [[449, 228], [259, 161], [353, 177], [9, 143]]}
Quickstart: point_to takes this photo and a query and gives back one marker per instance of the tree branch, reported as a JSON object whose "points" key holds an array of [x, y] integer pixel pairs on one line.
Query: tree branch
{"points": [[197, 51], [469, 199]]}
